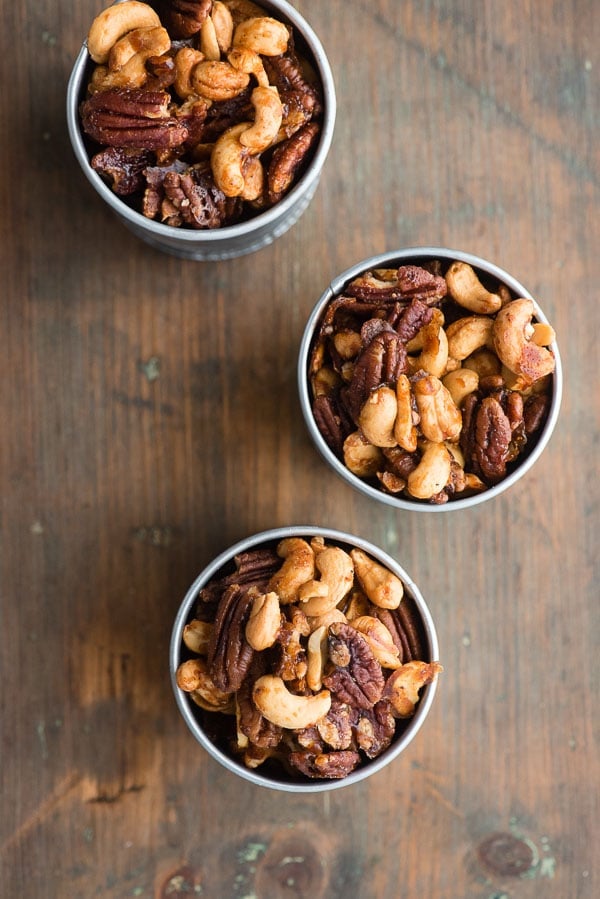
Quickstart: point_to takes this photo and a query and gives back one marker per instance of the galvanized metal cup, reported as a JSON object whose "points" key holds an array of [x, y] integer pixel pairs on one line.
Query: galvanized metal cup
{"points": [[265, 776], [233, 240], [417, 256]]}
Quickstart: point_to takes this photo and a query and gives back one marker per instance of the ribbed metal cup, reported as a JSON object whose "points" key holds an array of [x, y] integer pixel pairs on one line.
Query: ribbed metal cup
{"points": [[193, 716], [233, 240], [420, 255]]}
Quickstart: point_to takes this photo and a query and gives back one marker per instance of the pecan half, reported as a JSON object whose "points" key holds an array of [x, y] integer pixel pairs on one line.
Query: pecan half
{"points": [[535, 412], [492, 439], [194, 197], [335, 729], [122, 168], [288, 159], [357, 677], [229, 653], [251, 722], [329, 422], [252, 569], [330, 765], [127, 117], [379, 363]]}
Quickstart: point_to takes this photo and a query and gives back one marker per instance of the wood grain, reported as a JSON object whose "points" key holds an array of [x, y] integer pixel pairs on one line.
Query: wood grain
{"points": [[150, 419]]}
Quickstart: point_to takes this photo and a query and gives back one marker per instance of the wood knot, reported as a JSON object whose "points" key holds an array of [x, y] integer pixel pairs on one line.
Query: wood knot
{"points": [[506, 855], [291, 866]]}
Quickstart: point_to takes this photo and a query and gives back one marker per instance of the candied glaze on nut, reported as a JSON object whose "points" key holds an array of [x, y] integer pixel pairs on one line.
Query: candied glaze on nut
{"points": [[430, 382], [306, 695], [199, 113]]}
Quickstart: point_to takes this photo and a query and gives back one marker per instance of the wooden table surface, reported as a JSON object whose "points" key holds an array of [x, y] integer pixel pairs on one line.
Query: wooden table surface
{"points": [[151, 418]]}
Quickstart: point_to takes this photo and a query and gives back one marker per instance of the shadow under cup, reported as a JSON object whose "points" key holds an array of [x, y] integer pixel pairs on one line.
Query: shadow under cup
{"points": [[232, 240]]}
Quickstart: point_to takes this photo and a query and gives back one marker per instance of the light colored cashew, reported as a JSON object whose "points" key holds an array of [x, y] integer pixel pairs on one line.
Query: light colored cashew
{"points": [[469, 334], [317, 655], [196, 636], [434, 355], [484, 362], [377, 417], [264, 621], [467, 290], [193, 677], [264, 35], [186, 60], [227, 160], [456, 453], [298, 568], [246, 60], [361, 457], [403, 686], [357, 606], [127, 59], [273, 700], [440, 419], [223, 23], [324, 381], [379, 639], [217, 80], [114, 22], [460, 383], [326, 619], [382, 587], [337, 575], [405, 431], [512, 341], [254, 178], [543, 334], [432, 473], [268, 113], [347, 343], [209, 44], [144, 42]]}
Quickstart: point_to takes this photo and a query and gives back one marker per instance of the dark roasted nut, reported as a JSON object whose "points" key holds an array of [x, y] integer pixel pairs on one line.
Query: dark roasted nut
{"points": [[408, 320], [229, 653], [420, 284], [375, 729], [122, 168], [132, 118], [196, 198], [330, 765], [329, 422], [184, 18], [535, 412], [251, 723], [492, 439], [289, 159], [357, 678], [335, 729], [380, 363]]}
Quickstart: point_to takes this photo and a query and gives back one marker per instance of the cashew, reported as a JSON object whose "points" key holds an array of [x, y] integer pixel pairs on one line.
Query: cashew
{"points": [[196, 636], [326, 619], [317, 655], [114, 22], [440, 418], [298, 568], [469, 334], [460, 383], [361, 457], [377, 417], [382, 587], [268, 113], [127, 59], [245, 60], [358, 605], [512, 341], [264, 622], [483, 362], [543, 334], [337, 575], [223, 23], [402, 687], [193, 677], [405, 432], [209, 44], [432, 473], [264, 35], [468, 291], [347, 343], [273, 700], [324, 381], [254, 178], [416, 344], [218, 80], [227, 159], [186, 60], [379, 639], [434, 355]]}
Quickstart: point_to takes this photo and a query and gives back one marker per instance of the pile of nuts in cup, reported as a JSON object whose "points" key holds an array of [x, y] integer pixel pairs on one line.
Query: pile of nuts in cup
{"points": [[207, 114], [427, 384], [312, 655]]}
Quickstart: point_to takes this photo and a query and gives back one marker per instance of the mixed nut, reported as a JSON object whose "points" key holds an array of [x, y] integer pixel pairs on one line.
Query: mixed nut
{"points": [[429, 384], [206, 112], [311, 654]]}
